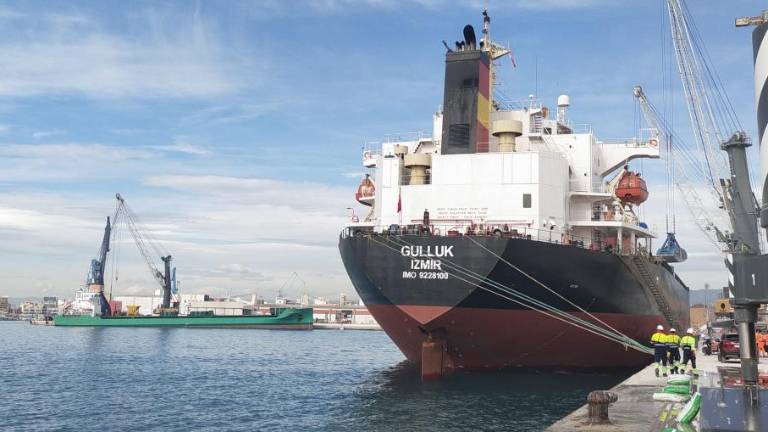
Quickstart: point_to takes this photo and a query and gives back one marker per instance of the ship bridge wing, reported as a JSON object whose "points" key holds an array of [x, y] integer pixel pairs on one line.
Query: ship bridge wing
{"points": [[614, 154]]}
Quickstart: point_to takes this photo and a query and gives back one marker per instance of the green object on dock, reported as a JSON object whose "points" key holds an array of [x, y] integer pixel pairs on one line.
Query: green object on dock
{"points": [[281, 318], [677, 389], [670, 397], [690, 410], [679, 379]]}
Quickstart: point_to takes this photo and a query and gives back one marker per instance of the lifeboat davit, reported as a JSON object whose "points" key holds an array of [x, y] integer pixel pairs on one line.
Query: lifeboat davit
{"points": [[631, 188], [366, 192]]}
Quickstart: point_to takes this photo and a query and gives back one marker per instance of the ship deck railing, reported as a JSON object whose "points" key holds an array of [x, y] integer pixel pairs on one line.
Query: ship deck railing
{"points": [[479, 230], [646, 135], [375, 146], [505, 230]]}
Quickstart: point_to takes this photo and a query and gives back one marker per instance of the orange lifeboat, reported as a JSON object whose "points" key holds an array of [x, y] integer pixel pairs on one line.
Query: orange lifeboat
{"points": [[631, 188], [366, 192]]}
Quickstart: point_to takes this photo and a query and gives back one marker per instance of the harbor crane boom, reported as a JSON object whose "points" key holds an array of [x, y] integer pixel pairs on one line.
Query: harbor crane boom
{"points": [[713, 118], [717, 130], [693, 200], [164, 278]]}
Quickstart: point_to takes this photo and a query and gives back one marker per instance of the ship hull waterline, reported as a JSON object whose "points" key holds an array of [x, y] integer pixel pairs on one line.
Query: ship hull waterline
{"points": [[481, 330], [293, 319]]}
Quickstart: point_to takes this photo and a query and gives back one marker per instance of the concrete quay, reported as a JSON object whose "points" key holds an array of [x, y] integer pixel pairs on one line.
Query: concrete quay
{"points": [[635, 410]]}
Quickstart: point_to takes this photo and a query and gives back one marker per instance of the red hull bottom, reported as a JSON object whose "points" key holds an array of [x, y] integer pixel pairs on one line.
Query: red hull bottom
{"points": [[504, 338]]}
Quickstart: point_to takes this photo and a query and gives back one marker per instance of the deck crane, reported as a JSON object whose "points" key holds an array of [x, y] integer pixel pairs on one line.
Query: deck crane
{"points": [[167, 277]]}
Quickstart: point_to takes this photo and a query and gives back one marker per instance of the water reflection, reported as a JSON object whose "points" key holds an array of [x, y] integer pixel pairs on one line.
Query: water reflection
{"points": [[177, 380], [521, 400]]}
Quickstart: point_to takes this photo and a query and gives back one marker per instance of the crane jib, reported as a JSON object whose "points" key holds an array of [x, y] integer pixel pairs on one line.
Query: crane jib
{"points": [[144, 241]]}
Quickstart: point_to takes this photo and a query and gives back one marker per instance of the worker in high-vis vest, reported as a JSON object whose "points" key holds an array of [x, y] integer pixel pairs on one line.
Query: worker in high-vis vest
{"points": [[659, 343], [673, 348], [688, 344]]}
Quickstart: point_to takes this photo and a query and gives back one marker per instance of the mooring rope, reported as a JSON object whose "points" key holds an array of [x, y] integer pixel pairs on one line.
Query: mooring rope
{"points": [[541, 284], [521, 298]]}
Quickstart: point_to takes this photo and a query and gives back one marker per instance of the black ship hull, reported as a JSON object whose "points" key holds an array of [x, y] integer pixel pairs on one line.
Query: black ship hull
{"points": [[411, 286]]}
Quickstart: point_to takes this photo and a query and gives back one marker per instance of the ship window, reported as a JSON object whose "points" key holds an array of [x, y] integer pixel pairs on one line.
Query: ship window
{"points": [[526, 200]]}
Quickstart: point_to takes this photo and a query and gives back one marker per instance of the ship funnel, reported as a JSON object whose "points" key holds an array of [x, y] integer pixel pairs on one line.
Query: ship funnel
{"points": [[466, 99], [469, 37]]}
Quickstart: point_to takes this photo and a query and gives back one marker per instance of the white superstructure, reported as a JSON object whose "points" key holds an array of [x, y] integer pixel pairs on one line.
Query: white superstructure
{"points": [[554, 183]]}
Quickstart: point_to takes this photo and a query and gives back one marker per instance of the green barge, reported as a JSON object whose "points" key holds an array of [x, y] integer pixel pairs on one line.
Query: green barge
{"points": [[279, 318]]}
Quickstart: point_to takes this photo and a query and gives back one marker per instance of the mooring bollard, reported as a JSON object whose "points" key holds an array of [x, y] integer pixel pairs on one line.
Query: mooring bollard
{"points": [[598, 402]]}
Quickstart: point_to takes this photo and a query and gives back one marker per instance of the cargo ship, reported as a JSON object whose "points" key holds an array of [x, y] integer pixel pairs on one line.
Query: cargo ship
{"points": [[279, 318], [91, 308], [510, 236]]}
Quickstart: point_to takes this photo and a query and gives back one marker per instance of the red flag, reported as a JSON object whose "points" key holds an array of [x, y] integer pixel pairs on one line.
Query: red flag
{"points": [[399, 202]]}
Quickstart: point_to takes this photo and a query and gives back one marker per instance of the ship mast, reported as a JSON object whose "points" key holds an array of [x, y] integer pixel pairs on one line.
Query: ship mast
{"points": [[494, 51]]}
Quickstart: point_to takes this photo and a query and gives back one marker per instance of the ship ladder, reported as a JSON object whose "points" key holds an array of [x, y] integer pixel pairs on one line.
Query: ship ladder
{"points": [[661, 302], [472, 278]]}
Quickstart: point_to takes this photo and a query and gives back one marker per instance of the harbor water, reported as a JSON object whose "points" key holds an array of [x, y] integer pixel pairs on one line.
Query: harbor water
{"points": [[96, 379]]}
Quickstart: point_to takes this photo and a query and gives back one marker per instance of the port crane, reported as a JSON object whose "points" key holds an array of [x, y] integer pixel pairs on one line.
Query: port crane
{"points": [[683, 177], [167, 277], [95, 280], [720, 139], [722, 142], [144, 242]]}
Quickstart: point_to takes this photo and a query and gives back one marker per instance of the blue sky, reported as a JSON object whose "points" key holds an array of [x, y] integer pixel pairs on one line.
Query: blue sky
{"points": [[234, 128]]}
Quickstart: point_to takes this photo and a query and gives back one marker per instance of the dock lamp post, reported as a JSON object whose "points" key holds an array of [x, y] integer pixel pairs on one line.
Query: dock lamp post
{"points": [[750, 272]]}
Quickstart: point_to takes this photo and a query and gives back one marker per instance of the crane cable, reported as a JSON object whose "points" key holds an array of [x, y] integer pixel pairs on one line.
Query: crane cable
{"points": [[140, 242], [682, 176], [545, 308]]}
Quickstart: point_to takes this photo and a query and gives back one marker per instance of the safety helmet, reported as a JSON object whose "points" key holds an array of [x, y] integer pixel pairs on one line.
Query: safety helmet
{"points": [[672, 330], [660, 327], [690, 330]]}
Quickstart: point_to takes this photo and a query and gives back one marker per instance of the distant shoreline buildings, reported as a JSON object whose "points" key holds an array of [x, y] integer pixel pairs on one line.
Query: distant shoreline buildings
{"points": [[327, 314]]}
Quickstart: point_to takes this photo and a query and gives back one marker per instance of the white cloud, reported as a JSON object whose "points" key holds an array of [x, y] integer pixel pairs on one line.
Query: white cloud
{"points": [[236, 113], [182, 145], [227, 235], [8, 14], [47, 133], [257, 191], [79, 151], [72, 54]]}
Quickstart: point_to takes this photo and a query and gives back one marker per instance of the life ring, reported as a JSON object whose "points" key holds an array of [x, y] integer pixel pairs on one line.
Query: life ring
{"points": [[436, 231], [653, 142], [367, 154]]}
